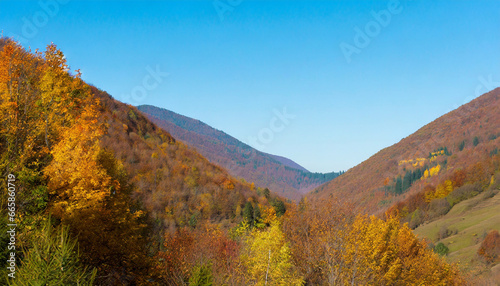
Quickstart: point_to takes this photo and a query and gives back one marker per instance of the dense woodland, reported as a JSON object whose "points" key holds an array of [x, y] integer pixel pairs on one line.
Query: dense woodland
{"points": [[104, 197]]}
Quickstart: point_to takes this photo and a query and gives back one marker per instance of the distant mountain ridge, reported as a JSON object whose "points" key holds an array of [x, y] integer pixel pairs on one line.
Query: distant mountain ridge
{"points": [[280, 174]]}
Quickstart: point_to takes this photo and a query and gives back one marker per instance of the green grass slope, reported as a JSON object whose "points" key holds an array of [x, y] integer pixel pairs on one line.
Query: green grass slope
{"points": [[470, 220]]}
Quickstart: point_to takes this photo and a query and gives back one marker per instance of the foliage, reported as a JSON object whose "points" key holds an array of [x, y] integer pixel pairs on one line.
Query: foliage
{"points": [[384, 253], [441, 249], [201, 276], [53, 259], [267, 258], [265, 170], [191, 255], [490, 247], [475, 141]]}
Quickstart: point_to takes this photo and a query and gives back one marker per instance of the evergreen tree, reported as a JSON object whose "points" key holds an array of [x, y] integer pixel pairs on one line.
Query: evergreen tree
{"points": [[399, 186], [256, 213], [53, 260], [279, 207], [248, 213]]}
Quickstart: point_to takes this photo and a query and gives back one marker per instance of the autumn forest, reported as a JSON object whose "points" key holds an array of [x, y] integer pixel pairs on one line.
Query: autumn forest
{"points": [[94, 193]]}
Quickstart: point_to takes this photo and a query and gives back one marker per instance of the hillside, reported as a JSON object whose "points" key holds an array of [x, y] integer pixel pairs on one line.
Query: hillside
{"points": [[280, 174], [102, 196], [463, 143], [464, 228], [84, 167]]}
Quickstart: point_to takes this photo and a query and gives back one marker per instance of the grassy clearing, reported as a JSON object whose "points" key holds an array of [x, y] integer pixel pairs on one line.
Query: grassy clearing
{"points": [[473, 219]]}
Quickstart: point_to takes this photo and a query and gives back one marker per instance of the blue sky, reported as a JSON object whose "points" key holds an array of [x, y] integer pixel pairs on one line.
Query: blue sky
{"points": [[233, 64]]}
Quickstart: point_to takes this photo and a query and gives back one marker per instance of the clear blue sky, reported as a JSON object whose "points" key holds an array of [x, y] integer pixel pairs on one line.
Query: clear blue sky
{"points": [[231, 63]]}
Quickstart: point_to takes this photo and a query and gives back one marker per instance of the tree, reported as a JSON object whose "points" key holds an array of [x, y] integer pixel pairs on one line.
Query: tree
{"points": [[75, 177], [461, 146], [441, 249], [256, 213], [385, 253], [490, 247], [475, 142], [53, 260], [268, 259], [248, 213], [279, 206], [398, 189], [266, 193]]}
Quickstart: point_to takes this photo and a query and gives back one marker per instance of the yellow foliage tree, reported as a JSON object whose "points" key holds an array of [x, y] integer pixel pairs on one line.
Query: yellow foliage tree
{"points": [[434, 171], [268, 259], [426, 174], [75, 177], [387, 253]]}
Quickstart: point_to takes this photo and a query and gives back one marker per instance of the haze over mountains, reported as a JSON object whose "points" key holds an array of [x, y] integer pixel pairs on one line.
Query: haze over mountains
{"points": [[280, 174]]}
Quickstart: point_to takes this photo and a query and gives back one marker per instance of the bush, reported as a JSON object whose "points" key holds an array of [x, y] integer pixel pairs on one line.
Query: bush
{"points": [[441, 249], [463, 193], [490, 247], [438, 207], [201, 276], [417, 219], [445, 232]]}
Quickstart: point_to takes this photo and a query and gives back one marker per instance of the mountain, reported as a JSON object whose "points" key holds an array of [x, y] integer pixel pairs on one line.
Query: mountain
{"points": [[94, 174], [100, 195], [280, 174], [443, 180], [459, 140]]}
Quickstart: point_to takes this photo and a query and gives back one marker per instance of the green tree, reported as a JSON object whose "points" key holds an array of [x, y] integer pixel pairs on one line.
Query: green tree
{"points": [[476, 141], [461, 146], [441, 249], [399, 186], [256, 213], [267, 193], [279, 207], [53, 260], [248, 213]]}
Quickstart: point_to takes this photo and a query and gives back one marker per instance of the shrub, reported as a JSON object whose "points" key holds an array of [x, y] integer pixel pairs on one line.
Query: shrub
{"points": [[463, 193], [490, 247], [441, 249], [445, 232], [201, 276], [417, 219], [438, 207]]}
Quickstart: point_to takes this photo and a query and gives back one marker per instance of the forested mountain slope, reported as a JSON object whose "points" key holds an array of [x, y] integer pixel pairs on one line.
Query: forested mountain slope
{"points": [[460, 147], [280, 174], [99, 195]]}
